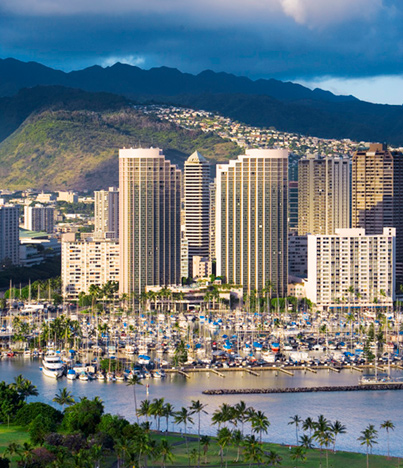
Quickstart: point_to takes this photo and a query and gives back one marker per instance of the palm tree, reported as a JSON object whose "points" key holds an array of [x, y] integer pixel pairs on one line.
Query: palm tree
{"points": [[325, 439], [236, 440], [24, 387], [241, 413], [168, 413], [197, 408], [273, 458], [184, 417], [260, 424], [144, 409], [223, 414], [388, 424], [306, 442], [205, 442], [368, 438], [64, 397], [224, 436], [298, 453], [322, 429], [157, 410], [165, 452], [337, 428], [96, 454], [308, 425], [252, 450], [133, 381], [295, 420]]}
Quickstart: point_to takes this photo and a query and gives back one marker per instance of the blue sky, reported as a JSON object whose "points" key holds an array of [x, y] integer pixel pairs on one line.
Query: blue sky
{"points": [[346, 46]]}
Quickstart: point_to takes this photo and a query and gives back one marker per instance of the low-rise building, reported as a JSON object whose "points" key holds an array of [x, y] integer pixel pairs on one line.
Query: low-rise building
{"points": [[86, 262]]}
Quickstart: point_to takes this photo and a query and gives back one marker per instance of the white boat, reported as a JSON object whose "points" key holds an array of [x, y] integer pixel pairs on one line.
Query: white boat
{"points": [[52, 365], [27, 353], [83, 376], [71, 374], [143, 359]]}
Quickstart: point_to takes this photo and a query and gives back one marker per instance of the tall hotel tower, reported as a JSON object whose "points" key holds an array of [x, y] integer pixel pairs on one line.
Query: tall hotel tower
{"points": [[251, 220], [377, 195], [197, 206], [149, 220], [323, 194]]}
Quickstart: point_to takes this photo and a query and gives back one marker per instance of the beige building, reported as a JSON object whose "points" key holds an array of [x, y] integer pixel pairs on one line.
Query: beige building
{"points": [[377, 194], [106, 212], [196, 179], [323, 194], [149, 220], [69, 197], [252, 220], [86, 262], [201, 267]]}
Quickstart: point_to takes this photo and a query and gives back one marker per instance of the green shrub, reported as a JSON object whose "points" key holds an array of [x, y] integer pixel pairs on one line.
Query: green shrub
{"points": [[31, 410]]}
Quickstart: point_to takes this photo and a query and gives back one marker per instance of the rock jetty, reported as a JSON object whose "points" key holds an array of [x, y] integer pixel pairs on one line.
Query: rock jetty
{"points": [[344, 388]]}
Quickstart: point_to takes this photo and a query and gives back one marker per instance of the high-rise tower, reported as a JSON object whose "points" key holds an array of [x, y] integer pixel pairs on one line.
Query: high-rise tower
{"points": [[377, 195], [323, 194], [197, 206], [149, 220], [251, 220], [107, 212]]}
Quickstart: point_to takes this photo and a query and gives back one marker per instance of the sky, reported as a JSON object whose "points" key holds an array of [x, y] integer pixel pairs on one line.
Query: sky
{"points": [[345, 46]]}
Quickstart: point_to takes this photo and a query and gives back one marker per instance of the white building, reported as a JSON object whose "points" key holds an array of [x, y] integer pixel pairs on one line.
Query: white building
{"points": [[86, 262], [106, 212], [351, 267], [39, 218]]}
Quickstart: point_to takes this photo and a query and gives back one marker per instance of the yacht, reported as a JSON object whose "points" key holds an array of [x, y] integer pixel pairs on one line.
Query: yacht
{"points": [[52, 366]]}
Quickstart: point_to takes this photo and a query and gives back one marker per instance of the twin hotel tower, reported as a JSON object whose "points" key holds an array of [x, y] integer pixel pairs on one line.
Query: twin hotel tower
{"points": [[161, 226]]}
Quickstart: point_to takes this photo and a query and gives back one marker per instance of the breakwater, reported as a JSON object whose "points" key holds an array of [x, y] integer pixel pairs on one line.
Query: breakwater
{"points": [[343, 388]]}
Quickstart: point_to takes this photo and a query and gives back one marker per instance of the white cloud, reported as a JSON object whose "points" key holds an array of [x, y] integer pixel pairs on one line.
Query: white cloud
{"points": [[127, 60], [378, 89], [323, 12]]}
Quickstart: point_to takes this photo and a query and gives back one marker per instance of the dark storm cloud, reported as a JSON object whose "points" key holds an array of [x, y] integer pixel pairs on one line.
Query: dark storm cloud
{"points": [[280, 38]]}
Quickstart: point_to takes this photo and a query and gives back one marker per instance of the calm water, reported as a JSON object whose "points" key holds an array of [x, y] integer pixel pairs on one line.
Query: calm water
{"points": [[354, 409]]}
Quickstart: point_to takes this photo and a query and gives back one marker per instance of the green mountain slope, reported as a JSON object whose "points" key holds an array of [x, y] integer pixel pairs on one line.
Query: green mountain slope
{"points": [[78, 149]]}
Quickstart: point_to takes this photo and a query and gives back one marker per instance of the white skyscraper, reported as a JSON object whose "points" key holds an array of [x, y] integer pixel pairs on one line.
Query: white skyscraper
{"points": [[251, 220], [197, 206]]}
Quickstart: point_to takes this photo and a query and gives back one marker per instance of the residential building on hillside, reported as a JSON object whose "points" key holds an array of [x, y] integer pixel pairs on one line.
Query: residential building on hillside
{"points": [[149, 220], [252, 220]]}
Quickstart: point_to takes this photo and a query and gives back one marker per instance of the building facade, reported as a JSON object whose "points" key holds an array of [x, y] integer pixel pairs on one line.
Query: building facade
{"points": [[212, 221], [86, 262], [377, 194], [351, 267], [323, 194], [9, 235], [39, 218], [196, 180], [106, 212], [149, 220], [252, 220]]}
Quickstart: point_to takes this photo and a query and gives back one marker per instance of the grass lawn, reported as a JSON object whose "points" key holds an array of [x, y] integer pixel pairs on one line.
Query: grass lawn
{"points": [[18, 435]]}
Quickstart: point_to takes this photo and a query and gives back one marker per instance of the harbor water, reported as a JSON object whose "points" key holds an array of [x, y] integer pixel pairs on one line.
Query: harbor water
{"points": [[354, 409]]}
